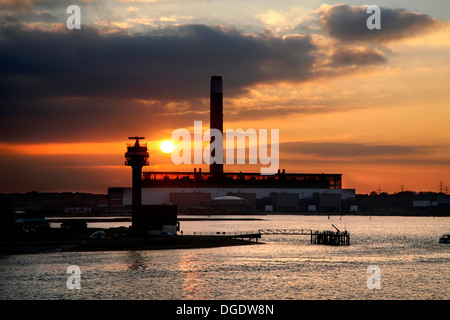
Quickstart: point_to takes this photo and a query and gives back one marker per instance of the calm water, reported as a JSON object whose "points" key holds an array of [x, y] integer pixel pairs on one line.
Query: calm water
{"points": [[412, 263]]}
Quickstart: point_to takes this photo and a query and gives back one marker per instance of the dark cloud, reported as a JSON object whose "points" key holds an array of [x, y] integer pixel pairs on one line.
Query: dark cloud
{"points": [[75, 85], [75, 119], [338, 149], [348, 23], [344, 57], [30, 6], [17, 5], [169, 64], [17, 19]]}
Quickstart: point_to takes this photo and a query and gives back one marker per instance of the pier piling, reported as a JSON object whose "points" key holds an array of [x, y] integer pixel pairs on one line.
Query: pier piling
{"points": [[337, 238]]}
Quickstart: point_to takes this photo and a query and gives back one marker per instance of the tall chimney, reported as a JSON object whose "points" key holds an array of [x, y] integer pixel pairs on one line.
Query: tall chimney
{"points": [[216, 118]]}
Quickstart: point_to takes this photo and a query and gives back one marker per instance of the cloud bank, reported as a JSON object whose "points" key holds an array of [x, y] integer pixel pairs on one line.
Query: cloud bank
{"points": [[348, 23], [60, 84]]}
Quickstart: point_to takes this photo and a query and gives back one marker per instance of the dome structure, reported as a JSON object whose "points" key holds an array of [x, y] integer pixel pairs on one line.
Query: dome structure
{"points": [[227, 198]]}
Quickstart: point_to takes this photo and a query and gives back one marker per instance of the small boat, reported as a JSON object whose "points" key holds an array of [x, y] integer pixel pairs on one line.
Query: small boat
{"points": [[445, 238]]}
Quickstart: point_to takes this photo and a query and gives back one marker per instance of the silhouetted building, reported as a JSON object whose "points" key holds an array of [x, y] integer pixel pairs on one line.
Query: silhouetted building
{"points": [[175, 187], [7, 221], [328, 202], [405, 203], [74, 225], [249, 198], [31, 222], [229, 205], [189, 199], [158, 219], [287, 202]]}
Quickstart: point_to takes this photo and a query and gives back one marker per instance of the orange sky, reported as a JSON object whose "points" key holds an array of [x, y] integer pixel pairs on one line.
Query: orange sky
{"points": [[391, 117]]}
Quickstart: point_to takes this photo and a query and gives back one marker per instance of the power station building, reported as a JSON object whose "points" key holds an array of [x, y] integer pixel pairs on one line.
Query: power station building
{"points": [[218, 192], [199, 193]]}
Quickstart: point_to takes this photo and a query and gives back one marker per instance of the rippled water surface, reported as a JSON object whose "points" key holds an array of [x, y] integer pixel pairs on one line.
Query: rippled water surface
{"points": [[412, 264]]}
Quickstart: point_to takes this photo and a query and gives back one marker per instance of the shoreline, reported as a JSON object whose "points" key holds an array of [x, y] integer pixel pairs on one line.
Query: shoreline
{"points": [[119, 217], [129, 219], [159, 243], [57, 241]]}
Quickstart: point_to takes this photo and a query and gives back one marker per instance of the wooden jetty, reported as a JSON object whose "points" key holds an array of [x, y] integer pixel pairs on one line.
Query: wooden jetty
{"points": [[301, 232], [335, 238]]}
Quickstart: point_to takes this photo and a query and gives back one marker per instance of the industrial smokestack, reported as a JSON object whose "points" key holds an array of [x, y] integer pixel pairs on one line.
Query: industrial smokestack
{"points": [[216, 118]]}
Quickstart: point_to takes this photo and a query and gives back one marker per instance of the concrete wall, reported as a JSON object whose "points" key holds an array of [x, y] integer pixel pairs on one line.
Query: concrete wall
{"points": [[285, 201], [189, 199], [249, 198], [162, 195], [329, 200]]}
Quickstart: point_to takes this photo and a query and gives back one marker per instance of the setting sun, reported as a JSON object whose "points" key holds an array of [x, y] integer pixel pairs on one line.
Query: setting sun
{"points": [[167, 146]]}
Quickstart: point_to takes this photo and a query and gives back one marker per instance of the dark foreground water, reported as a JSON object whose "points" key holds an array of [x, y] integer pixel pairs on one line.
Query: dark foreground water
{"points": [[405, 251]]}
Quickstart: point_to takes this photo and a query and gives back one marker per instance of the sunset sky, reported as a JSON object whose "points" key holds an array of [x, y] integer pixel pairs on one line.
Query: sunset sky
{"points": [[373, 105]]}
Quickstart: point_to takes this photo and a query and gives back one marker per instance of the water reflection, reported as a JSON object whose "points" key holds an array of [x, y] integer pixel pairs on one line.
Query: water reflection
{"points": [[193, 287], [286, 267], [136, 260]]}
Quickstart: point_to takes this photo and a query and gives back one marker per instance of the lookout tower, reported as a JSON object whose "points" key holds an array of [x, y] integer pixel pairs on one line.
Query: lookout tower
{"points": [[136, 157]]}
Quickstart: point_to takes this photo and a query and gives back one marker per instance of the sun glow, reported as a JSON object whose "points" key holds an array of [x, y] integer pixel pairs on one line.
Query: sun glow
{"points": [[167, 146]]}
